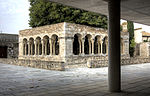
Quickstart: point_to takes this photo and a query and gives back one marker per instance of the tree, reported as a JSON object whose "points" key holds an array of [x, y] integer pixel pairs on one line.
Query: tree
{"points": [[44, 12], [130, 27]]}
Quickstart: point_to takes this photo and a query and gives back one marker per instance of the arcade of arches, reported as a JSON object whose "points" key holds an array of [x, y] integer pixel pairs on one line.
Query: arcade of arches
{"points": [[70, 43]]}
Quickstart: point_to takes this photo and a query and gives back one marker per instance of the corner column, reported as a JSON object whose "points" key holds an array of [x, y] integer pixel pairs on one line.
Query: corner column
{"points": [[114, 73]]}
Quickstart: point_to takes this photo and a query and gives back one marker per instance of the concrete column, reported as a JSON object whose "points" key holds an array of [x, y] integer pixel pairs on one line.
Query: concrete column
{"points": [[42, 47], [114, 46], [83, 46], [92, 46]]}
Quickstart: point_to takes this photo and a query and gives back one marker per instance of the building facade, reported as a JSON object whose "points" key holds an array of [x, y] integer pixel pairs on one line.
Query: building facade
{"points": [[70, 43], [8, 46]]}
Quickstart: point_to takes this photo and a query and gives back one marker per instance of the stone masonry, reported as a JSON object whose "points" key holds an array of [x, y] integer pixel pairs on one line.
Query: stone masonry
{"points": [[72, 44]]}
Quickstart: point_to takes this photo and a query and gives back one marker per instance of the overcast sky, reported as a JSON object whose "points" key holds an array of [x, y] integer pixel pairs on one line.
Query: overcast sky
{"points": [[14, 15]]}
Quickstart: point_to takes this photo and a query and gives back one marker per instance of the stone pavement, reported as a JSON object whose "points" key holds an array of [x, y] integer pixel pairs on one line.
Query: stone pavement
{"points": [[25, 81]]}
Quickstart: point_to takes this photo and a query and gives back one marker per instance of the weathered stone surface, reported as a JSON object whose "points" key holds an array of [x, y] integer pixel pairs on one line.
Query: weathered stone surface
{"points": [[66, 33], [10, 41]]}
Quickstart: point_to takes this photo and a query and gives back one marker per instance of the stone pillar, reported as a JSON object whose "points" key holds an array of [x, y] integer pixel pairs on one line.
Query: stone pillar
{"points": [[29, 48], [80, 46], [106, 48], [114, 73], [53, 45], [83, 46], [35, 48], [92, 46], [89, 46], [101, 47], [42, 47], [38, 49], [50, 42], [46, 48]]}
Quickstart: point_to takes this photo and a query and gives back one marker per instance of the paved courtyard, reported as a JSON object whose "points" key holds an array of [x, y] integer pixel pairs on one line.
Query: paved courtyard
{"points": [[25, 81]]}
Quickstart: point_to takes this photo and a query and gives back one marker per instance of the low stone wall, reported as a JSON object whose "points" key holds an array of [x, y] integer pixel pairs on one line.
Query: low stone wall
{"points": [[127, 61], [35, 64], [91, 63]]}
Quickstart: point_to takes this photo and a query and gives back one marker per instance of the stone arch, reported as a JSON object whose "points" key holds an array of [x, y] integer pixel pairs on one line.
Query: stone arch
{"points": [[25, 47], [38, 46], [88, 44], [105, 45], [77, 44], [46, 45], [31, 46], [97, 45], [55, 44]]}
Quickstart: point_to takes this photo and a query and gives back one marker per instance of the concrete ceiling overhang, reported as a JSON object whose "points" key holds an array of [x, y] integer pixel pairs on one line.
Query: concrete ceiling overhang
{"points": [[133, 10]]}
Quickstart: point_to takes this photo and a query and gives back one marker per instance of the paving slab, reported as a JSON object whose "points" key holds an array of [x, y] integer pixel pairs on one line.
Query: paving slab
{"points": [[25, 81]]}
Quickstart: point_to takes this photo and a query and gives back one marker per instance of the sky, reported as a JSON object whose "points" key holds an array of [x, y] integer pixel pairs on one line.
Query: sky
{"points": [[14, 16]]}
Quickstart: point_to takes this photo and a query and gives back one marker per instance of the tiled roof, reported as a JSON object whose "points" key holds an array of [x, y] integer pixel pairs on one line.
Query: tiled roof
{"points": [[145, 33]]}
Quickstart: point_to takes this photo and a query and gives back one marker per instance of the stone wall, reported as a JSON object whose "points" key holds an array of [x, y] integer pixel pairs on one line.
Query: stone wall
{"points": [[35, 64], [11, 42], [61, 66]]}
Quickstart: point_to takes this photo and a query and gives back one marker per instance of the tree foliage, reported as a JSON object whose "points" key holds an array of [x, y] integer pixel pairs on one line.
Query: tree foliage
{"points": [[44, 12], [130, 27]]}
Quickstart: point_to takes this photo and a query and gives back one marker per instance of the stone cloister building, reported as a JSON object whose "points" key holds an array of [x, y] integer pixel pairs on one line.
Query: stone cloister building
{"points": [[72, 44]]}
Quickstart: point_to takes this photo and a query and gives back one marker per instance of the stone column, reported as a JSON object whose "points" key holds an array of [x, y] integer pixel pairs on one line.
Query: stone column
{"points": [[80, 46], [106, 48], [50, 42], [83, 46], [38, 48], [53, 45], [42, 47], [29, 48], [114, 73], [101, 47], [92, 46], [35, 48], [46, 48]]}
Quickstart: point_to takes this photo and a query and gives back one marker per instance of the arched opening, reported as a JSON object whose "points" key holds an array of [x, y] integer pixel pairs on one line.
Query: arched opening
{"points": [[77, 46], [31, 48], [46, 45], [38, 46], [55, 45], [88, 44], [25, 47], [105, 41], [97, 46]]}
